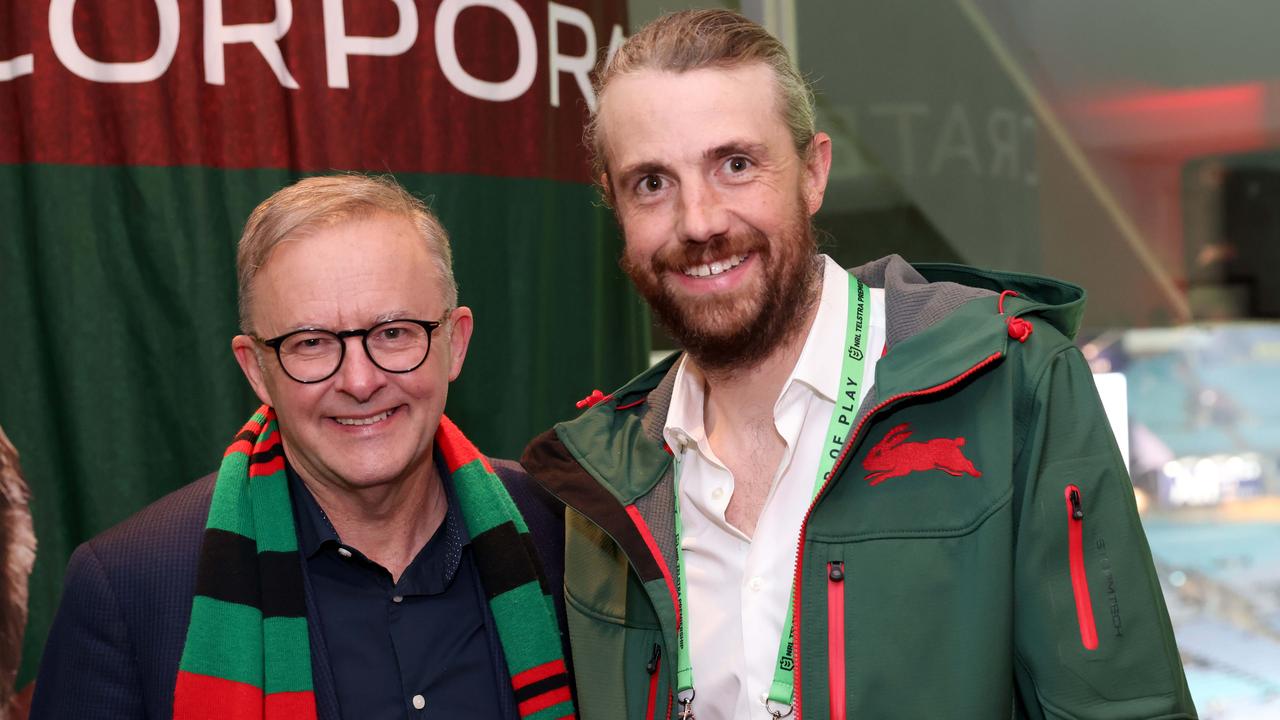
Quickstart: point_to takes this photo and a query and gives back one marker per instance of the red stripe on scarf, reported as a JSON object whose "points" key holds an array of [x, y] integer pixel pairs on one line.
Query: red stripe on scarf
{"points": [[267, 442], [456, 448], [544, 701], [301, 704], [541, 672], [200, 697], [239, 446], [271, 467]]}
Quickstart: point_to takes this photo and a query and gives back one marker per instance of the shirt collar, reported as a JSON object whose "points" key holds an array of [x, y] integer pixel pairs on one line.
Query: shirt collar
{"points": [[431, 570], [818, 366]]}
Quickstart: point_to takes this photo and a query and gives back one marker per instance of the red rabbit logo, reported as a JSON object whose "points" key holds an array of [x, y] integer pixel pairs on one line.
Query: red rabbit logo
{"points": [[894, 457]]}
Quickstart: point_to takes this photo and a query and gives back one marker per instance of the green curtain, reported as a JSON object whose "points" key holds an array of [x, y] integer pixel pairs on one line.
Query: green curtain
{"points": [[121, 203]]}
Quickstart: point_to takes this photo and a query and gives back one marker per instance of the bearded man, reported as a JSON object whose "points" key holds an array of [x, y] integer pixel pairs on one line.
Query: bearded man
{"points": [[883, 493], [354, 556]]}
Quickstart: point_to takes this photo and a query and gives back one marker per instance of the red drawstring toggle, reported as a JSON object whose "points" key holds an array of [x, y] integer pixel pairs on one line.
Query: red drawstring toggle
{"points": [[591, 400], [1019, 329]]}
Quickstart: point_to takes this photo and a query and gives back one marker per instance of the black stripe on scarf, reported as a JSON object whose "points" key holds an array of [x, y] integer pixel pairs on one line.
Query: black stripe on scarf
{"points": [[232, 570], [502, 569], [266, 456], [547, 684]]}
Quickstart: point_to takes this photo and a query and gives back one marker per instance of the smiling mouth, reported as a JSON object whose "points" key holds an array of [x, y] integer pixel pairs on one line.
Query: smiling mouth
{"points": [[371, 420], [715, 268]]}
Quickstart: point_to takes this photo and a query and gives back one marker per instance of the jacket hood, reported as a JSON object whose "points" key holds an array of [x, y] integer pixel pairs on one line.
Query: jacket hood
{"points": [[1059, 303]]}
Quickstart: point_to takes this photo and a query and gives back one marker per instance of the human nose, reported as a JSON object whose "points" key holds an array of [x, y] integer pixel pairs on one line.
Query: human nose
{"points": [[703, 215], [358, 376]]}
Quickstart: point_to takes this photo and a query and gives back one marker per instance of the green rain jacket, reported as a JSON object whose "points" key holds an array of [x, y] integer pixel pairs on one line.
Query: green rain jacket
{"points": [[977, 552]]}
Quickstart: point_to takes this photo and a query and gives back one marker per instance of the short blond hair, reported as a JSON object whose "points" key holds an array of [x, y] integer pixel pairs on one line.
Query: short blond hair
{"points": [[318, 202], [696, 39]]}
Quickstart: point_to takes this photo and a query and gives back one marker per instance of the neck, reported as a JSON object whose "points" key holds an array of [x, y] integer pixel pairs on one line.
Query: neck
{"points": [[389, 522], [746, 395]]}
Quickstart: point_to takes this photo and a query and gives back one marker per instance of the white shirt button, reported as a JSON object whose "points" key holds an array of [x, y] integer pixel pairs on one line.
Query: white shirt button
{"points": [[344, 552], [419, 702], [756, 584], [717, 493], [397, 599]]}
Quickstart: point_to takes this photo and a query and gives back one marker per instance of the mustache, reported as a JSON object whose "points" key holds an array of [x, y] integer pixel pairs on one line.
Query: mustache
{"points": [[677, 256]]}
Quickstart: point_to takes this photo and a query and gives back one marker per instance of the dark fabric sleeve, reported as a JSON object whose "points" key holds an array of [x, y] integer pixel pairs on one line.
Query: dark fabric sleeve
{"points": [[88, 669], [1134, 670]]}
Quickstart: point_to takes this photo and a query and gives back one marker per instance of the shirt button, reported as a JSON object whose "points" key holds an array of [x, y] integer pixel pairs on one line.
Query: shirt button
{"points": [[717, 493], [419, 702], [397, 599], [755, 584], [344, 552]]}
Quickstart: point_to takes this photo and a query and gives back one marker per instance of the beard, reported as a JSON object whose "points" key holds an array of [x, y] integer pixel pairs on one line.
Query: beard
{"points": [[745, 326]]}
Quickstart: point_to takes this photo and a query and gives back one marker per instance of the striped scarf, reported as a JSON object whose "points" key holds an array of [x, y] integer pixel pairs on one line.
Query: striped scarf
{"points": [[248, 652]]}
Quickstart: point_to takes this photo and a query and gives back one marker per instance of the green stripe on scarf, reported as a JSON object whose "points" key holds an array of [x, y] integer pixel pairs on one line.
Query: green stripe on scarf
{"points": [[234, 660], [525, 615], [235, 663]]}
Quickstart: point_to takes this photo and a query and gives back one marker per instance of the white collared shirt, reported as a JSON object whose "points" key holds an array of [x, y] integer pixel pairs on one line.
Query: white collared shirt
{"points": [[738, 588]]}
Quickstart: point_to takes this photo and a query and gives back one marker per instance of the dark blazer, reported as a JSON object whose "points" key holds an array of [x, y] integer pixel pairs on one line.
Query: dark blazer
{"points": [[116, 641]]}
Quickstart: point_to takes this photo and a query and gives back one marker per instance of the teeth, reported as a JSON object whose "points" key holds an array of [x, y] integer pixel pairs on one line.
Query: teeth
{"points": [[364, 421], [716, 267]]}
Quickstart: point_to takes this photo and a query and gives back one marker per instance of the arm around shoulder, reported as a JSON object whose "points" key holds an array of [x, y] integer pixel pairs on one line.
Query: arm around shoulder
{"points": [[1092, 634]]}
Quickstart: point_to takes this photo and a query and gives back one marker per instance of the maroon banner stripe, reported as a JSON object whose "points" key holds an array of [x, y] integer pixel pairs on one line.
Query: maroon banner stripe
{"points": [[147, 82]]}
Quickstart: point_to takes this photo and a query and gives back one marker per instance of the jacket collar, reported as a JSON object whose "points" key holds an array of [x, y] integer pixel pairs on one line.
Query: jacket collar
{"points": [[940, 320]]}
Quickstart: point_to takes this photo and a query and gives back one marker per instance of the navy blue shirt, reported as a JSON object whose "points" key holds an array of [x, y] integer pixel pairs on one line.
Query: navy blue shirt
{"points": [[423, 647]]}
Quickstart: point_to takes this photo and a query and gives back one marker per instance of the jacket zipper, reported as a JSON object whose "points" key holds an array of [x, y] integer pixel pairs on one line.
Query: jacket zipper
{"points": [[654, 664], [1079, 579], [835, 471], [835, 638]]}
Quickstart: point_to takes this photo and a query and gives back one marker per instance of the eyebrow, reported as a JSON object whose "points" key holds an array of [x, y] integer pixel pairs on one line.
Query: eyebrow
{"points": [[642, 168], [735, 147]]}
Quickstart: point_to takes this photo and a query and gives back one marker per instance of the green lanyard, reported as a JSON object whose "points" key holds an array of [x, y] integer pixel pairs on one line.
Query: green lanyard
{"points": [[847, 397]]}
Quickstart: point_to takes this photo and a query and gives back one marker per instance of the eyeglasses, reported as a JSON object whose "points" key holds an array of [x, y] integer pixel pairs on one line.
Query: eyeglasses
{"points": [[396, 346]]}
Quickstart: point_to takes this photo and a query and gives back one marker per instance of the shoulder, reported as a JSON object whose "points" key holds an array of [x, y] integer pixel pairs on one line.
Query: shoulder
{"points": [[115, 642], [168, 530], [537, 505]]}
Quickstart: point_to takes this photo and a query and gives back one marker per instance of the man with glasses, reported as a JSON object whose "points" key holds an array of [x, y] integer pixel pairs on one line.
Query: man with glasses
{"points": [[883, 493], [355, 555]]}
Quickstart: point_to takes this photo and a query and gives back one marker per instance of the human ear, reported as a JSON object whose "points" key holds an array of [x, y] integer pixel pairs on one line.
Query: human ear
{"points": [[249, 357]]}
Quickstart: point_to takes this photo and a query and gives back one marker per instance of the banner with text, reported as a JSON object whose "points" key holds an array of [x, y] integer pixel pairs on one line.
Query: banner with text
{"points": [[137, 135]]}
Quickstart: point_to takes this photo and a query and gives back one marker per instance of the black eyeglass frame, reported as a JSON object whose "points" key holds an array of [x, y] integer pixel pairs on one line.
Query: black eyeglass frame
{"points": [[342, 335]]}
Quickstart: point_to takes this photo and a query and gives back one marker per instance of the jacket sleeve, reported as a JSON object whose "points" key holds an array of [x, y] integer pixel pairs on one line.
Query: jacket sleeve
{"points": [[1091, 632], [88, 669]]}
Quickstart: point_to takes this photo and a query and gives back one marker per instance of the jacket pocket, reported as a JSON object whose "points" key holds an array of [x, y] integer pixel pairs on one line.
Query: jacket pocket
{"points": [[835, 639], [1075, 558]]}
